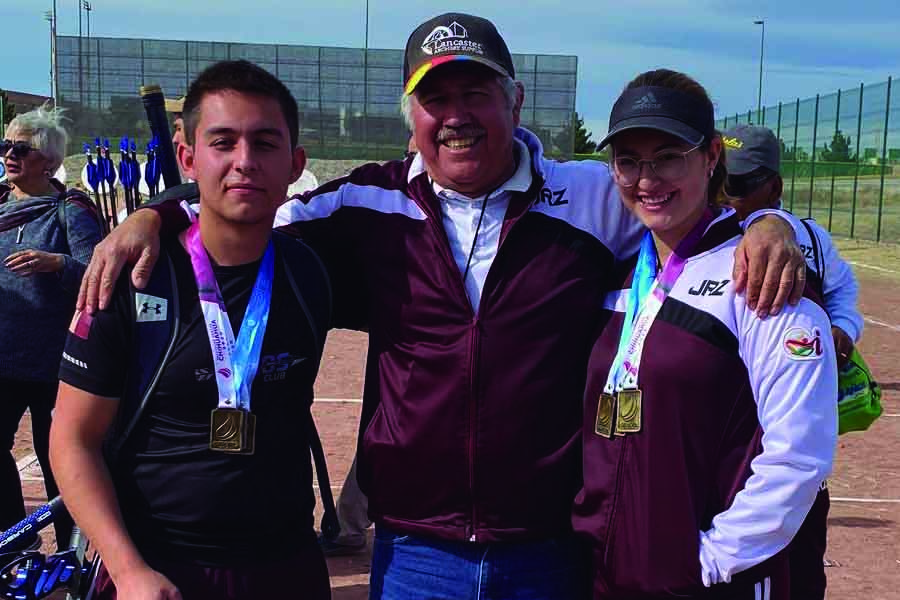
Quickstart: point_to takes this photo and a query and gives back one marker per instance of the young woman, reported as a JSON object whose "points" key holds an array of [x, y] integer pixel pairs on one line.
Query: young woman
{"points": [[47, 236], [707, 430]]}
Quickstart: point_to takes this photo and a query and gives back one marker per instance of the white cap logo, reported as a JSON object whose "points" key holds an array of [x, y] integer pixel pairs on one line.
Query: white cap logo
{"points": [[453, 38]]}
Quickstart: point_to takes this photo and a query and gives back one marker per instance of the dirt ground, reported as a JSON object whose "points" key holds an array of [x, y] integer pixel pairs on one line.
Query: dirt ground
{"points": [[864, 523]]}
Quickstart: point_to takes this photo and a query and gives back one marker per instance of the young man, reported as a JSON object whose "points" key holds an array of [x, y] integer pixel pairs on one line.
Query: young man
{"points": [[753, 158], [478, 267], [211, 494]]}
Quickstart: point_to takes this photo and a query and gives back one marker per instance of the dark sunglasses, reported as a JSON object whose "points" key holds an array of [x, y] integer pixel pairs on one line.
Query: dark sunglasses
{"points": [[741, 186], [17, 150]]}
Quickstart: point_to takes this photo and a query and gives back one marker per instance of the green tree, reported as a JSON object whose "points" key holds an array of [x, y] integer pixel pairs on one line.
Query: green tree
{"points": [[839, 149], [581, 141], [793, 154]]}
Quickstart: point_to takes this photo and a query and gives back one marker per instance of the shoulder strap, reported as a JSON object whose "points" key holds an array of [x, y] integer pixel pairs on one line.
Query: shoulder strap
{"points": [[155, 318], [78, 197], [309, 281], [817, 250], [312, 287]]}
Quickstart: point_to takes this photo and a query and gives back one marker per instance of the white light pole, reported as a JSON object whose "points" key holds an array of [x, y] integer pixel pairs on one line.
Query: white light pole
{"points": [[50, 16], [762, 41]]}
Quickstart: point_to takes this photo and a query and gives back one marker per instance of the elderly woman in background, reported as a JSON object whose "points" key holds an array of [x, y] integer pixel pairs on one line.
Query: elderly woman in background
{"points": [[47, 236]]}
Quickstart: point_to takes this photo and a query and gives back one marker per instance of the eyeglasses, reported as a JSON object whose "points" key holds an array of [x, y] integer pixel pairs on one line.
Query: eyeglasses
{"points": [[668, 166], [17, 150], [741, 186]]}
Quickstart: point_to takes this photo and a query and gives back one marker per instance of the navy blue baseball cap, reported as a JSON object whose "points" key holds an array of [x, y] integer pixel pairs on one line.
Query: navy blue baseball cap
{"points": [[748, 147], [683, 115], [452, 37]]}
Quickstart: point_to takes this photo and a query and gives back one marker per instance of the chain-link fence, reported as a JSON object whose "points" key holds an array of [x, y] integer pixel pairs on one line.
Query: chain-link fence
{"points": [[349, 98], [840, 158]]}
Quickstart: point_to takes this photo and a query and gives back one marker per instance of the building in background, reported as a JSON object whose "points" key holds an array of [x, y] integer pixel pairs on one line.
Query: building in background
{"points": [[349, 99], [23, 102]]}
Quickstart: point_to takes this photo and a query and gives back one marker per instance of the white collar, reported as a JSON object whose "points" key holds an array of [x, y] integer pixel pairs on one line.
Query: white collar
{"points": [[519, 182]]}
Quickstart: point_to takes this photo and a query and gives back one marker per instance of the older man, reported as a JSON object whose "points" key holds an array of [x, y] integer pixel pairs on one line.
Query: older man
{"points": [[477, 267]]}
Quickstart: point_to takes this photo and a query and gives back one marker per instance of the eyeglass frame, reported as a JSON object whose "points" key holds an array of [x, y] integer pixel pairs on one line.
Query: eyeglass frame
{"points": [[640, 164]]}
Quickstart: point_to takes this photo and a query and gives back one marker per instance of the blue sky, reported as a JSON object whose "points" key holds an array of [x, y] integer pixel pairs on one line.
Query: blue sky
{"points": [[811, 46]]}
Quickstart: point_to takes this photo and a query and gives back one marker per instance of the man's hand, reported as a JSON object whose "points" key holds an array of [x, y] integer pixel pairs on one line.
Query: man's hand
{"points": [[769, 264], [136, 241], [145, 584], [29, 262], [843, 345]]}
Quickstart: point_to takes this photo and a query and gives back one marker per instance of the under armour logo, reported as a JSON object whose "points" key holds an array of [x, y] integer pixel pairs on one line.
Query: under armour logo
{"points": [[145, 307], [150, 308]]}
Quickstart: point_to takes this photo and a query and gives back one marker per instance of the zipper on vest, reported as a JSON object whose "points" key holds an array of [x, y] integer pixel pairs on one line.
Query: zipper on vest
{"points": [[473, 420]]}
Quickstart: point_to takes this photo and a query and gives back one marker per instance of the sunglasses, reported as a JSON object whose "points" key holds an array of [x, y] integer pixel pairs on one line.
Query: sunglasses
{"points": [[17, 150], [741, 186]]}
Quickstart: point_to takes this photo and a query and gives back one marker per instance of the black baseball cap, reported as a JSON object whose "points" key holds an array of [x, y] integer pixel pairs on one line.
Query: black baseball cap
{"points": [[680, 114], [449, 37], [748, 147]]}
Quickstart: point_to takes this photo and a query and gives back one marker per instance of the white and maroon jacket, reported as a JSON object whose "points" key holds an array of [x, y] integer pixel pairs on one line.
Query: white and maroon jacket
{"points": [[739, 427], [471, 418]]}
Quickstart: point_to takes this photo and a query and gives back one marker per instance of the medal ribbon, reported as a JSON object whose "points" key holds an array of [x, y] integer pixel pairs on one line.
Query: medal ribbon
{"points": [[648, 292], [235, 362]]}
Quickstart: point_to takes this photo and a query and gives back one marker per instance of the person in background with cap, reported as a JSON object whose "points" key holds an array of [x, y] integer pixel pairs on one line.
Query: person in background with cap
{"points": [[707, 431], [187, 190], [753, 158], [176, 108], [476, 266]]}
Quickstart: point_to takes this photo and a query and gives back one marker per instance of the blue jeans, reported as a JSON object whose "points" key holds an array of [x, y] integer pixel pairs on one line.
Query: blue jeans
{"points": [[408, 567]]}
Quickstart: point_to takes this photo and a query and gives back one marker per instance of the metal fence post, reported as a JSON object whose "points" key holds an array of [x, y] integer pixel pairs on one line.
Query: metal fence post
{"points": [[856, 174], [812, 160], [321, 116], [794, 170], [837, 130], [778, 129], [887, 115]]}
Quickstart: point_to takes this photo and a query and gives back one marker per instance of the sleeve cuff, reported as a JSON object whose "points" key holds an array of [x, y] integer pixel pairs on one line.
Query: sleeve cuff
{"points": [[849, 328], [173, 219], [710, 573], [71, 274], [757, 214]]}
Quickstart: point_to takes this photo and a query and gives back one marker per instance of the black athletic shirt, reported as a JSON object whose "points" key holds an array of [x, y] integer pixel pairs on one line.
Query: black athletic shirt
{"points": [[179, 499]]}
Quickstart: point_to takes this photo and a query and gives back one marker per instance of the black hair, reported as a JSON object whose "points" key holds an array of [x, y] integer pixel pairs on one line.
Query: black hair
{"points": [[244, 77]]}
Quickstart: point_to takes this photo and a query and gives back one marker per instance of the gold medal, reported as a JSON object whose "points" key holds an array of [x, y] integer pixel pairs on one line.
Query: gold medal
{"points": [[227, 430], [603, 424], [628, 419]]}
